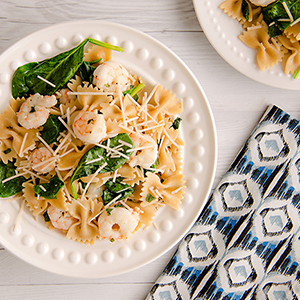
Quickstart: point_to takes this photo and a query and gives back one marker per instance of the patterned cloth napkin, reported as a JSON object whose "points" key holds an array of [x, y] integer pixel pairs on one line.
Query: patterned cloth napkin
{"points": [[246, 241]]}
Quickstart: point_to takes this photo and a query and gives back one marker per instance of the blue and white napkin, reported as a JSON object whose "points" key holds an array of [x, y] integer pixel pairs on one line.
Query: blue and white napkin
{"points": [[246, 241]]}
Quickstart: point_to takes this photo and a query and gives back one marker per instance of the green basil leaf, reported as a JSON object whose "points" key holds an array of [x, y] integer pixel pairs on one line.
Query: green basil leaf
{"points": [[84, 168], [13, 186], [51, 189], [51, 129], [176, 123], [19, 86]]}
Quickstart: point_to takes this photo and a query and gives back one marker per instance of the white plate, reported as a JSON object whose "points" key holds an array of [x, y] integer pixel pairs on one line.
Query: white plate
{"points": [[155, 63], [222, 31]]}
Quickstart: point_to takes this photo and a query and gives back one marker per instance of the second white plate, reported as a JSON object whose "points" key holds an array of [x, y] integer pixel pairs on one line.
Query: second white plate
{"points": [[222, 31]]}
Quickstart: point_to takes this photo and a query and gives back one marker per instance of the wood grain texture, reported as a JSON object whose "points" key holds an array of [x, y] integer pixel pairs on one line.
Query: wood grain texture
{"points": [[237, 103]]}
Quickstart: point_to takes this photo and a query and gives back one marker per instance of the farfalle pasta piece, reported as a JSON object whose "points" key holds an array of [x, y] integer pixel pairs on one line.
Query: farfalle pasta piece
{"points": [[256, 37], [84, 230], [71, 159], [119, 109], [293, 61], [38, 205], [233, 8], [177, 161], [147, 213], [96, 52], [7, 153], [91, 101], [255, 17], [22, 140], [165, 157], [137, 179], [16, 103], [74, 83], [112, 127], [127, 172], [164, 101], [171, 189], [293, 32]]}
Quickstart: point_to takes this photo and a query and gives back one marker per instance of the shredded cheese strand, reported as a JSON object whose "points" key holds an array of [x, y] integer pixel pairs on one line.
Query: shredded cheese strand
{"points": [[45, 80], [94, 175], [19, 215]]}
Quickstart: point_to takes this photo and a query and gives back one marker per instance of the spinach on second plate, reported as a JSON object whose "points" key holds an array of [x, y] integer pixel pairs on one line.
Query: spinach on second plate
{"points": [[245, 10], [114, 189], [84, 168], [58, 70], [13, 186], [49, 190], [275, 12]]}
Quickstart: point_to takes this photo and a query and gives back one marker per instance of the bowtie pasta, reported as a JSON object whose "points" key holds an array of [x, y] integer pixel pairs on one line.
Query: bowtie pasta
{"points": [[93, 153], [272, 28]]}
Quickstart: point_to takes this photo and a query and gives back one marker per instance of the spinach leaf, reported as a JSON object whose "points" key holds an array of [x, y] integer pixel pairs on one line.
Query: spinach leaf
{"points": [[114, 189], [6, 151], [58, 70], [150, 198], [12, 186], [19, 86], [86, 72], [84, 168], [245, 10], [51, 189], [176, 123], [276, 11], [134, 90], [46, 216], [274, 31], [51, 129]]}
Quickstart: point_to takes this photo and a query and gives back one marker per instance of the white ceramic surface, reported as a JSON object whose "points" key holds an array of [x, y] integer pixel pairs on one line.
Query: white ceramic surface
{"points": [[222, 31], [155, 63]]}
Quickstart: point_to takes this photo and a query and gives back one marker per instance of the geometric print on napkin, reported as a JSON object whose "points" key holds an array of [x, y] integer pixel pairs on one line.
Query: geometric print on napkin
{"points": [[246, 242]]}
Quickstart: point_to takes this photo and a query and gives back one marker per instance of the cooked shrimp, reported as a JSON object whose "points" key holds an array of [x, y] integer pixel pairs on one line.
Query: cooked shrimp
{"points": [[60, 219], [119, 223], [40, 160], [89, 127], [34, 112], [110, 76], [147, 155], [65, 97]]}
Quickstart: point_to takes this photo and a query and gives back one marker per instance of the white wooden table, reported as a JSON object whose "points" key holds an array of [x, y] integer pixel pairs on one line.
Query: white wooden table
{"points": [[237, 103]]}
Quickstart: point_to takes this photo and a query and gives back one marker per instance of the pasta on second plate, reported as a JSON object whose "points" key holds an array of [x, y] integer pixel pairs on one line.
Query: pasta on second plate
{"points": [[95, 159], [275, 40]]}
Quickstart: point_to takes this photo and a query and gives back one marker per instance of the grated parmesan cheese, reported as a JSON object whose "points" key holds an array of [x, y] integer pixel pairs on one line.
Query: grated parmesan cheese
{"points": [[288, 11], [45, 80]]}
